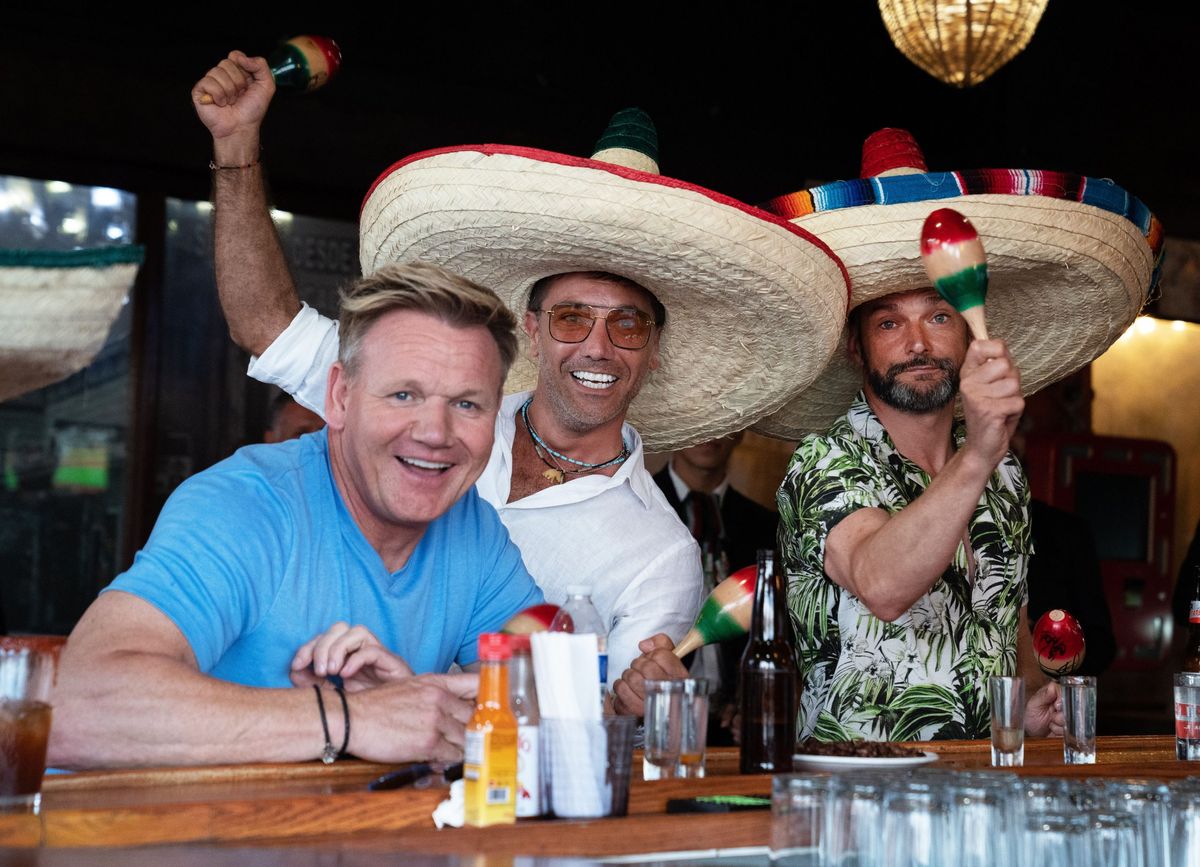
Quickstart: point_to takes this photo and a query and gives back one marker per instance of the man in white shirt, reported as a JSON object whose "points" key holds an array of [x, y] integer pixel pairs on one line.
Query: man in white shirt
{"points": [[545, 230]]}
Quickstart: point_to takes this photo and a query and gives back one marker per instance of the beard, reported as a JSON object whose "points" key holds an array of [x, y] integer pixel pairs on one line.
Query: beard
{"points": [[921, 397]]}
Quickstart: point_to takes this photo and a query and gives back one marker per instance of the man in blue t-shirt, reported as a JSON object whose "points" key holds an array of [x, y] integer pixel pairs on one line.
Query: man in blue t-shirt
{"points": [[258, 565]]}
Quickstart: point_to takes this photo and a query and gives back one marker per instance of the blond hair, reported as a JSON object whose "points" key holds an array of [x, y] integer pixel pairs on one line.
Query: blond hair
{"points": [[427, 289]]}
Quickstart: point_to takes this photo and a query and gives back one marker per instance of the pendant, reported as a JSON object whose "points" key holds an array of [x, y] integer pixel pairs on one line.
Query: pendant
{"points": [[554, 477]]}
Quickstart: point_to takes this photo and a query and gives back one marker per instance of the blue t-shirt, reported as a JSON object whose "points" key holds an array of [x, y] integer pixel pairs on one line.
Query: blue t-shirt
{"points": [[258, 554]]}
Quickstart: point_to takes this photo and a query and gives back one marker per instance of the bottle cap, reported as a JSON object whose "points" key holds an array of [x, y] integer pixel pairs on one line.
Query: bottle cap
{"points": [[493, 647], [518, 643]]}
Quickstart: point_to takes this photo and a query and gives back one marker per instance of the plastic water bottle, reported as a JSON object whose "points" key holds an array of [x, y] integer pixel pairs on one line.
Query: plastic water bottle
{"points": [[579, 615], [522, 696]]}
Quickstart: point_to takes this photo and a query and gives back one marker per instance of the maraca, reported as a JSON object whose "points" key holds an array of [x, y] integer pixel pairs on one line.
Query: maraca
{"points": [[955, 262], [302, 63], [724, 614], [535, 618], [1058, 642]]}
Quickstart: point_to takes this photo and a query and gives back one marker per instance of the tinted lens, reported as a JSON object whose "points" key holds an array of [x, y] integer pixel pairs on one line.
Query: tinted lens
{"points": [[571, 323], [628, 328]]}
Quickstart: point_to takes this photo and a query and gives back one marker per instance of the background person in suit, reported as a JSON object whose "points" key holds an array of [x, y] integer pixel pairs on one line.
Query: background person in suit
{"points": [[730, 528]]}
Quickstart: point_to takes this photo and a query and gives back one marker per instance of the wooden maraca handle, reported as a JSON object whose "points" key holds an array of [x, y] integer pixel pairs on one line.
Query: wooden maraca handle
{"points": [[976, 322], [691, 641]]}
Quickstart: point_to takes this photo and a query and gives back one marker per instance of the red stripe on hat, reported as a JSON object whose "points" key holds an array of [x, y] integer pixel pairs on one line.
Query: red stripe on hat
{"points": [[620, 171]]}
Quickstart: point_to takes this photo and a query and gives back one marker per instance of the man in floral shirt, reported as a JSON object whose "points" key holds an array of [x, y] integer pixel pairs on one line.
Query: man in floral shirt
{"points": [[898, 622]]}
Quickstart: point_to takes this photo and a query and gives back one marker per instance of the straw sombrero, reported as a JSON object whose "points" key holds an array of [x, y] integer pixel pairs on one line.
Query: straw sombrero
{"points": [[56, 308], [754, 303], [1071, 260]]}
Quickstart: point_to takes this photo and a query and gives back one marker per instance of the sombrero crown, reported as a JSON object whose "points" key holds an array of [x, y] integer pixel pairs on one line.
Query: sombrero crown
{"points": [[1071, 260], [754, 303]]}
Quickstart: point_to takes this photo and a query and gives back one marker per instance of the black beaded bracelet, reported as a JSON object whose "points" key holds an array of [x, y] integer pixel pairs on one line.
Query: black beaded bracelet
{"points": [[328, 755], [346, 718]]}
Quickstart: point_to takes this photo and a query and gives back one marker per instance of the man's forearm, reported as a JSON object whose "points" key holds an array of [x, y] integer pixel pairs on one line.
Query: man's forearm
{"points": [[130, 709], [891, 562], [256, 291]]}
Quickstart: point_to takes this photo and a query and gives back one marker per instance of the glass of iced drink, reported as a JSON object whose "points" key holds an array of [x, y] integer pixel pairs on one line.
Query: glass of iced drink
{"points": [[26, 678]]}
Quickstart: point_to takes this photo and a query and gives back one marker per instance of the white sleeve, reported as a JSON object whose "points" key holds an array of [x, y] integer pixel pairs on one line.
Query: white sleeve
{"points": [[663, 597], [299, 359]]}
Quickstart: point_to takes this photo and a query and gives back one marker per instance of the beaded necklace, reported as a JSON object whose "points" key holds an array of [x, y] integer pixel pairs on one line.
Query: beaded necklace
{"points": [[557, 472]]}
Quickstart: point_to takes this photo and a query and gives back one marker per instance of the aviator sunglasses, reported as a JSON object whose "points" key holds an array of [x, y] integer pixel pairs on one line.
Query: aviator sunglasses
{"points": [[628, 327]]}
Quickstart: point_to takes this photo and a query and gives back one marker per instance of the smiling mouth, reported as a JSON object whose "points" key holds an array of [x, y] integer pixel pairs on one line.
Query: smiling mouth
{"points": [[429, 466], [593, 380]]}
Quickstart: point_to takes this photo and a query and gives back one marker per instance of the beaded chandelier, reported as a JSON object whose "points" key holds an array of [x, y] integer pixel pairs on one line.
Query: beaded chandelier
{"points": [[964, 41]]}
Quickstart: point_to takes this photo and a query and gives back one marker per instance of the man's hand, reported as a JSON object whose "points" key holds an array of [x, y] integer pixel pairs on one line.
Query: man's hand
{"points": [[990, 385], [1044, 714], [350, 652], [421, 718], [240, 88], [657, 662]]}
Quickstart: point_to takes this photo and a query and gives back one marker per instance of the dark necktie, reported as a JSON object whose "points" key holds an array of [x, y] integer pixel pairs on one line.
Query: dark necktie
{"points": [[706, 520]]}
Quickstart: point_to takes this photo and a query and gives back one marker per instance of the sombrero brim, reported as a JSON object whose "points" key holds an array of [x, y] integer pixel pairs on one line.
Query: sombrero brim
{"points": [[1071, 261], [754, 303], [57, 309]]}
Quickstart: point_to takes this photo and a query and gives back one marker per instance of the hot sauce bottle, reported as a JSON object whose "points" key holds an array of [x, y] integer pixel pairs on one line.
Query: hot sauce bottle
{"points": [[490, 755]]}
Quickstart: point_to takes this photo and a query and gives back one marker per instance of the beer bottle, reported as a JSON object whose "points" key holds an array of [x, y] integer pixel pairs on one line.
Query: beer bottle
{"points": [[1191, 654], [768, 677]]}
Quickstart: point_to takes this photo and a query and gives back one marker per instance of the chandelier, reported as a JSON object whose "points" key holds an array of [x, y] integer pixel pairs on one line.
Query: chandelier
{"points": [[961, 42]]}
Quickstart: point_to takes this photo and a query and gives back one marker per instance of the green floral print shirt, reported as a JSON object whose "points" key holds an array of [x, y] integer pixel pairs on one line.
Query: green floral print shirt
{"points": [[924, 675]]}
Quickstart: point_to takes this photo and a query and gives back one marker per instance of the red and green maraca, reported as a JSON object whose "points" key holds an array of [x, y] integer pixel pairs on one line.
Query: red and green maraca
{"points": [[301, 64], [725, 613], [955, 262], [1058, 643], [535, 618]]}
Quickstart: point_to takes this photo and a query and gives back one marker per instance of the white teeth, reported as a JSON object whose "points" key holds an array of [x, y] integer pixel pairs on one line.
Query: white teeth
{"points": [[593, 380], [425, 465]]}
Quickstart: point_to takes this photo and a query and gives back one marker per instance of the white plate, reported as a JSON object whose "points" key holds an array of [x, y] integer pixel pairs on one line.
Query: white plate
{"points": [[807, 762]]}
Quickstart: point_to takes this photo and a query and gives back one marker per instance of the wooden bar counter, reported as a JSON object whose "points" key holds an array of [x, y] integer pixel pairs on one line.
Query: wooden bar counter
{"points": [[313, 807]]}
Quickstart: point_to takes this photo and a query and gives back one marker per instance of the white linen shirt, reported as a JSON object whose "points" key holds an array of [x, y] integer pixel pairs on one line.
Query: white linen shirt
{"points": [[616, 534]]}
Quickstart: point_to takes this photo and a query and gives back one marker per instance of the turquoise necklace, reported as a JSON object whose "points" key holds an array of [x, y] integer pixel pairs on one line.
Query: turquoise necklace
{"points": [[556, 473]]}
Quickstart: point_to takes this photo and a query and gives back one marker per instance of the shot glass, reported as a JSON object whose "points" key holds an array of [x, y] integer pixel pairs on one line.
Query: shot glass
{"points": [[1008, 721], [676, 718], [26, 678], [1187, 716], [1079, 708]]}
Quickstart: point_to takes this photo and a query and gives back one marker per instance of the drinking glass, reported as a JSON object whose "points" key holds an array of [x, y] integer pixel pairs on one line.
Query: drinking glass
{"points": [[1079, 708], [676, 715], [799, 804], [1187, 716], [26, 678], [1008, 721]]}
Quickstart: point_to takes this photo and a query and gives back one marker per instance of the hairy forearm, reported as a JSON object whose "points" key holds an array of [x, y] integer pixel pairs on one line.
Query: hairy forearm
{"points": [[256, 291], [890, 563], [129, 709]]}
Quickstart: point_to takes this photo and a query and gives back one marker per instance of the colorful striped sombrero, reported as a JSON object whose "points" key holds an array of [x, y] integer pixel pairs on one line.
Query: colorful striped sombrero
{"points": [[754, 303], [57, 308], [1071, 260]]}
